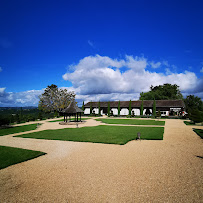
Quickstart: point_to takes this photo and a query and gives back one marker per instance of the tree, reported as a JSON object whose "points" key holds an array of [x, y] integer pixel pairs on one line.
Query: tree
{"points": [[55, 99], [40, 115], [130, 108], [83, 106], [119, 110], [90, 107], [99, 108], [192, 102], [195, 116], [162, 92], [141, 108], [108, 108], [154, 108], [4, 121], [17, 118], [21, 114]]}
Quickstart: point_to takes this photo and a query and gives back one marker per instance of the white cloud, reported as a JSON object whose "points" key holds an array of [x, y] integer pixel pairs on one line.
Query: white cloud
{"points": [[99, 77], [136, 63], [201, 70], [2, 89], [26, 98], [103, 78], [91, 43], [1, 69], [155, 65], [165, 63]]}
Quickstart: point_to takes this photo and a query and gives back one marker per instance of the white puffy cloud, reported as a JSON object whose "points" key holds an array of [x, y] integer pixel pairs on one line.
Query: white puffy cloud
{"points": [[101, 78], [155, 65], [2, 89], [25, 98], [201, 70]]}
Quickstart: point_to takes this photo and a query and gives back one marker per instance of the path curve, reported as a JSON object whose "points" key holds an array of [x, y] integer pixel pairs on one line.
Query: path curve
{"points": [[140, 171]]}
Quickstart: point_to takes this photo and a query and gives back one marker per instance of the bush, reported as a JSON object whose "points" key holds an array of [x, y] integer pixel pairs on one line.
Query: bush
{"points": [[196, 116], [158, 114], [4, 121]]}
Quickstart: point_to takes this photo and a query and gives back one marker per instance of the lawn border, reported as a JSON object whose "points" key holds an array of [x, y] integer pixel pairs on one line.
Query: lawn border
{"points": [[30, 158]]}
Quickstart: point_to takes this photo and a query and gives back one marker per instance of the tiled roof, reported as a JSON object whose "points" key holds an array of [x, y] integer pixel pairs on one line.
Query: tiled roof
{"points": [[134, 104]]}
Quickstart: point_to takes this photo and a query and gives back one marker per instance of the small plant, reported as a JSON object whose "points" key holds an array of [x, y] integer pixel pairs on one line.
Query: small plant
{"points": [[158, 114]]}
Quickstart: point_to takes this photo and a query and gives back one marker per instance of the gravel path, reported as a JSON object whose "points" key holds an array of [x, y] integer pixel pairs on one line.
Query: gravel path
{"points": [[140, 171]]}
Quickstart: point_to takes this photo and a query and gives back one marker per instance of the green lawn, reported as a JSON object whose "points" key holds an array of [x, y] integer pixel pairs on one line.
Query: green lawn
{"points": [[100, 134], [72, 119], [131, 121], [188, 123], [10, 155], [17, 129], [199, 132]]}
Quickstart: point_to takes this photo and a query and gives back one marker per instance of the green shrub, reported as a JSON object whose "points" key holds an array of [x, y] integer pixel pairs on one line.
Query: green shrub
{"points": [[4, 121], [196, 116]]}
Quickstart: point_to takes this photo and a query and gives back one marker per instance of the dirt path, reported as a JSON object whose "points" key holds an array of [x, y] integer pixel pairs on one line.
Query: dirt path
{"points": [[140, 171]]}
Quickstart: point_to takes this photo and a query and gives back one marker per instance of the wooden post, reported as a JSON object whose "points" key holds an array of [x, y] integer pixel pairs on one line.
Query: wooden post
{"points": [[64, 118], [77, 117], [80, 116]]}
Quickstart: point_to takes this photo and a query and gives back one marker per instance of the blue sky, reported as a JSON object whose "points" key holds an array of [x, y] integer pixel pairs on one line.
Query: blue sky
{"points": [[92, 46]]}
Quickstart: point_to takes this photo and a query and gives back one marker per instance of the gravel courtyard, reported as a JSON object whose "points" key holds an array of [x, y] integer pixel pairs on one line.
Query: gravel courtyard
{"points": [[169, 170]]}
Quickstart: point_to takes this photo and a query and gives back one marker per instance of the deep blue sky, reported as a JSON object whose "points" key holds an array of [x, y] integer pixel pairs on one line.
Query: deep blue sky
{"points": [[40, 39]]}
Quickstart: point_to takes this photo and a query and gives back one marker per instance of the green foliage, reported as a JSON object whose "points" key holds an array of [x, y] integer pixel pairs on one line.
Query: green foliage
{"points": [[10, 155], [55, 99], [17, 118], [119, 110], [130, 108], [154, 108], [99, 108], [193, 102], [40, 115], [4, 121], [196, 116], [188, 123], [100, 134], [108, 108], [131, 121], [83, 106], [158, 113], [11, 115], [90, 107], [141, 109], [162, 92]]}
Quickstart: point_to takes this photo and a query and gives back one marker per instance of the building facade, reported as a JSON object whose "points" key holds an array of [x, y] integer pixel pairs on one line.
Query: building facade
{"points": [[166, 107]]}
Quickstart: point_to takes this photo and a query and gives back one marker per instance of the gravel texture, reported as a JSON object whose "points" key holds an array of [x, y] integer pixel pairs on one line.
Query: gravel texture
{"points": [[140, 171]]}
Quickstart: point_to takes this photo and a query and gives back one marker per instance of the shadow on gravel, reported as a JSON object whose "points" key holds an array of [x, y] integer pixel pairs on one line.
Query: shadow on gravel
{"points": [[201, 157]]}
